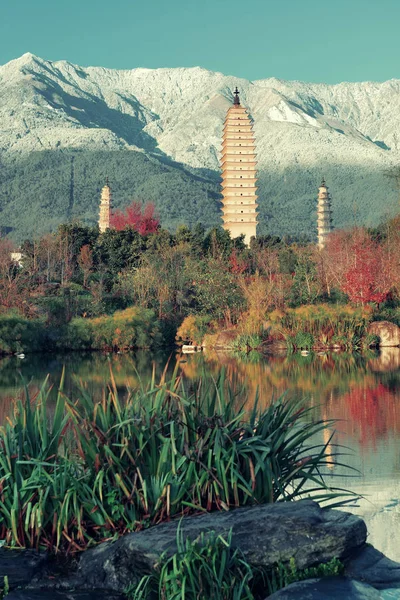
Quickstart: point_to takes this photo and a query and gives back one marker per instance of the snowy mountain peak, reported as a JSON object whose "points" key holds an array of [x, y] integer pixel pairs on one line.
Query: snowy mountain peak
{"points": [[349, 131]]}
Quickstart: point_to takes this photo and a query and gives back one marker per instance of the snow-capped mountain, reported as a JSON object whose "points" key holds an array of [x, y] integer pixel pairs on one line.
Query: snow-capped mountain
{"points": [[348, 133]]}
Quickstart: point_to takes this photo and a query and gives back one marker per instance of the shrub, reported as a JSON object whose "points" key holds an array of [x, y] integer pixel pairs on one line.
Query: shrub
{"points": [[193, 329], [304, 340], [247, 342], [18, 334], [125, 329], [77, 335], [325, 324]]}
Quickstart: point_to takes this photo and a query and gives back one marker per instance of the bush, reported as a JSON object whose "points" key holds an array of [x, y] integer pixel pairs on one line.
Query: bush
{"points": [[247, 342], [161, 453], [77, 335], [193, 329], [388, 314], [124, 330], [323, 324], [304, 340], [19, 334]]}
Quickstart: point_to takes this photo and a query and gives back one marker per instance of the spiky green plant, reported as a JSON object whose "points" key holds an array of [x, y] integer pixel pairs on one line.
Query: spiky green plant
{"points": [[205, 568], [163, 452], [210, 567]]}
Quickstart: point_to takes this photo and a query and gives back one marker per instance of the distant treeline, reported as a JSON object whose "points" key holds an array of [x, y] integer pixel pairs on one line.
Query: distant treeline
{"points": [[71, 283]]}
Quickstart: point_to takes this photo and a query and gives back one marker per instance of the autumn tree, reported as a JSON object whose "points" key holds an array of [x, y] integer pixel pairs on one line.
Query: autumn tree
{"points": [[366, 276], [141, 218], [14, 291]]}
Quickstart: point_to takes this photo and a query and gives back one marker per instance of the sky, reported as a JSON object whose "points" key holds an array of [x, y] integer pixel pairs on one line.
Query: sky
{"points": [[309, 40]]}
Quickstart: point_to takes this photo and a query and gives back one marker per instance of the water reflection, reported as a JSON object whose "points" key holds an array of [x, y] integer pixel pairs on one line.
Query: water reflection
{"points": [[361, 392]]}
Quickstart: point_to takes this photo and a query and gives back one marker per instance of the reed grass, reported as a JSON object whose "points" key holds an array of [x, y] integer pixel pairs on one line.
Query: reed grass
{"points": [[210, 567], [205, 568], [324, 325], [91, 470]]}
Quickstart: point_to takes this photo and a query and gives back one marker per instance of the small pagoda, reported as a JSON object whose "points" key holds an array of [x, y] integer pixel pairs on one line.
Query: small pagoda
{"points": [[239, 176], [324, 214], [105, 208]]}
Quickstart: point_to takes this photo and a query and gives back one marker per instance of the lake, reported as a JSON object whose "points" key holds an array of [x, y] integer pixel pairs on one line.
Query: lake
{"points": [[361, 392]]}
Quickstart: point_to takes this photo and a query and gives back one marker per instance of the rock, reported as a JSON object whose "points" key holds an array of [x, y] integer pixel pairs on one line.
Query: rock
{"points": [[373, 567], [29, 594], [388, 333], [266, 534], [388, 360], [20, 566], [226, 338], [278, 347], [328, 588]]}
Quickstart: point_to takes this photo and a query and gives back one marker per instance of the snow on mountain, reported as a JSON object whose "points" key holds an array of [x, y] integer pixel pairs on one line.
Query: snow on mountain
{"points": [[349, 132]]}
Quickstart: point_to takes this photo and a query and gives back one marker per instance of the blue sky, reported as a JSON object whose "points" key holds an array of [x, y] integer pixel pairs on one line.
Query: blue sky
{"points": [[310, 40]]}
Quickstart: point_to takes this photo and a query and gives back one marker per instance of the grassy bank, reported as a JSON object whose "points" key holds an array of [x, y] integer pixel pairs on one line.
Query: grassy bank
{"points": [[123, 330], [320, 326], [99, 469]]}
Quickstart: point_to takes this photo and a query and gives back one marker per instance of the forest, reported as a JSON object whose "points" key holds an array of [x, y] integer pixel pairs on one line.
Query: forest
{"points": [[137, 285]]}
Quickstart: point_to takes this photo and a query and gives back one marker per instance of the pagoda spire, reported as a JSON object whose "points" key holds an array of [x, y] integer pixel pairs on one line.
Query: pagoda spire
{"points": [[324, 214], [239, 175], [105, 207]]}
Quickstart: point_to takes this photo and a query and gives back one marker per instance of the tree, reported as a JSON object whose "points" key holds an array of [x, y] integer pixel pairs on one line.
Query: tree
{"points": [[117, 250], [140, 218], [366, 278], [306, 284], [14, 289], [164, 282], [85, 261]]}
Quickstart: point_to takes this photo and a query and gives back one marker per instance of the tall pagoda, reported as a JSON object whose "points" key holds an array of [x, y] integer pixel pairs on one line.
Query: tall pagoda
{"points": [[324, 214], [105, 208], [239, 176]]}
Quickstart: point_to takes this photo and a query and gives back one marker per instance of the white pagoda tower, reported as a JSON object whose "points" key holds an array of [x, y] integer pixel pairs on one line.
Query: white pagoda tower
{"points": [[324, 214], [239, 176], [105, 208]]}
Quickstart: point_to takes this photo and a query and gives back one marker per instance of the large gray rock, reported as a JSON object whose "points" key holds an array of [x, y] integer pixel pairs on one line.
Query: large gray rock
{"points": [[28, 594], [266, 535], [375, 568], [388, 333], [328, 588], [20, 566]]}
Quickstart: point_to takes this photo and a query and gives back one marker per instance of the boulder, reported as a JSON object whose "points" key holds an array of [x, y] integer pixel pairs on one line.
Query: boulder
{"points": [[28, 594], [226, 338], [372, 567], [388, 333], [387, 361], [278, 347], [20, 566], [328, 588], [266, 534]]}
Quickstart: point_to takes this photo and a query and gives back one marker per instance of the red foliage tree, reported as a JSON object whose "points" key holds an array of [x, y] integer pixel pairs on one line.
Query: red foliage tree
{"points": [[366, 277], [238, 264], [358, 265], [140, 218]]}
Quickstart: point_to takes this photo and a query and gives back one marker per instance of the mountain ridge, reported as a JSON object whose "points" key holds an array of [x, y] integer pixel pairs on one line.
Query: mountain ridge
{"points": [[347, 132]]}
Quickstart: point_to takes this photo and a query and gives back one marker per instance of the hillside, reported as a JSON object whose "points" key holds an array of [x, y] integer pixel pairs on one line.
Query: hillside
{"points": [[157, 135]]}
